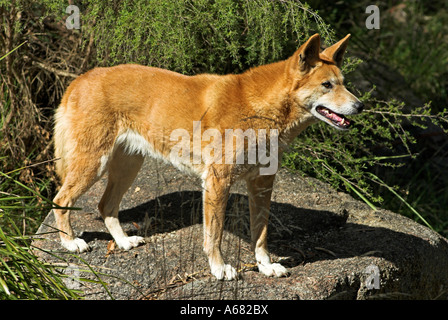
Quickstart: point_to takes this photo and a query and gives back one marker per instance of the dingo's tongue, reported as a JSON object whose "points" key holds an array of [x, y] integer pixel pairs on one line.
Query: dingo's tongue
{"points": [[334, 117], [338, 119]]}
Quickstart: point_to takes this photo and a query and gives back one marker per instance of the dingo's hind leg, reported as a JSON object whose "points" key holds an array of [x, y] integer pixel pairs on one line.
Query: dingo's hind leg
{"points": [[123, 169], [79, 176]]}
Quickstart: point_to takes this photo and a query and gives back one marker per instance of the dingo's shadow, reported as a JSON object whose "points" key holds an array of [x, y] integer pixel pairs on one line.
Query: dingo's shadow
{"points": [[303, 235]]}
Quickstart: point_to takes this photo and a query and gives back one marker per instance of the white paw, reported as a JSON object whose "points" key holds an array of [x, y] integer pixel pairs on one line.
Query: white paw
{"points": [[75, 245], [127, 243], [273, 269], [224, 272]]}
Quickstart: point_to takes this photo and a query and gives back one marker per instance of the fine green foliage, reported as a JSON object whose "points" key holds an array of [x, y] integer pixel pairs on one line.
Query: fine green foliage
{"points": [[221, 36]]}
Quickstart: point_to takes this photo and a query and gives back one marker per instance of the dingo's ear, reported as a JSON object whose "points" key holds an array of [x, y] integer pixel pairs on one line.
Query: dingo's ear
{"points": [[309, 53], [336, 51]]}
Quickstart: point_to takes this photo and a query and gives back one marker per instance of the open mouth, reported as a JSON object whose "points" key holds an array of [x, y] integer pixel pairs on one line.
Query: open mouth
{"points": [[337, 119]]}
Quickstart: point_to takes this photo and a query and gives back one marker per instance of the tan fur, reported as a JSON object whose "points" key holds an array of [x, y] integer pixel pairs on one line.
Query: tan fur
{"points": [[110, 118]]}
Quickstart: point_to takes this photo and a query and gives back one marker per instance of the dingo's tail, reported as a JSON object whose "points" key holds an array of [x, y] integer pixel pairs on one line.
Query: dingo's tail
{"points": [[61, 141]]}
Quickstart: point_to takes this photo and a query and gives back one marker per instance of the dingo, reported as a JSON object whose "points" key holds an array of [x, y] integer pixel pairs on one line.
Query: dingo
{"points": [[111, 118]]}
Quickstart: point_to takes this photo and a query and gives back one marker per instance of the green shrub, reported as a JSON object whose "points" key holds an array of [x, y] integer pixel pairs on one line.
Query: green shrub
{"points": [[188, 36]]}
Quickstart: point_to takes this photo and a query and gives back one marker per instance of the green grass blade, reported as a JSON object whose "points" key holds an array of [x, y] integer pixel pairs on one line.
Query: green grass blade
{"points": [[402, 200], [4, 287], [369, 203], [7, 54]]}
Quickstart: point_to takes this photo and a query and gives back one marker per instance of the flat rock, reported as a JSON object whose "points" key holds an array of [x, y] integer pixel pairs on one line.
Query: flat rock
{"points": [[334, 246]]}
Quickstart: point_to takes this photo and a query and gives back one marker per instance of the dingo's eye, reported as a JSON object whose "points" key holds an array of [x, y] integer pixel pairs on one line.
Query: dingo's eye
{"points": [[327, 84]]}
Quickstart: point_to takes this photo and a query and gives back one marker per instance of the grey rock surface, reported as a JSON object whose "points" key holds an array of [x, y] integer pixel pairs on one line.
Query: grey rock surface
{"points": [[334, 246]]}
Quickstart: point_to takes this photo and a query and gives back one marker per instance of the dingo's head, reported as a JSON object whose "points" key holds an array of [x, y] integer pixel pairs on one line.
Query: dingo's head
{"points": [[318, 83]]}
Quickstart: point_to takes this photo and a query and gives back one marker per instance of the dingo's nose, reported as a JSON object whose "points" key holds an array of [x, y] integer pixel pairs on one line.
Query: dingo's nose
{"points": [[359, 106]]}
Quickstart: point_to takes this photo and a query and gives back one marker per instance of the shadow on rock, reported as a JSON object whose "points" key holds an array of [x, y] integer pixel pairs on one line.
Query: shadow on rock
{"points": [[301, 235]]}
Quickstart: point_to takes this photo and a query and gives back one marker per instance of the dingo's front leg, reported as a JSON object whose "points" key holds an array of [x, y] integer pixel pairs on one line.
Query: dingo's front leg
{"points": [[215, 196], [260, 190]]}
